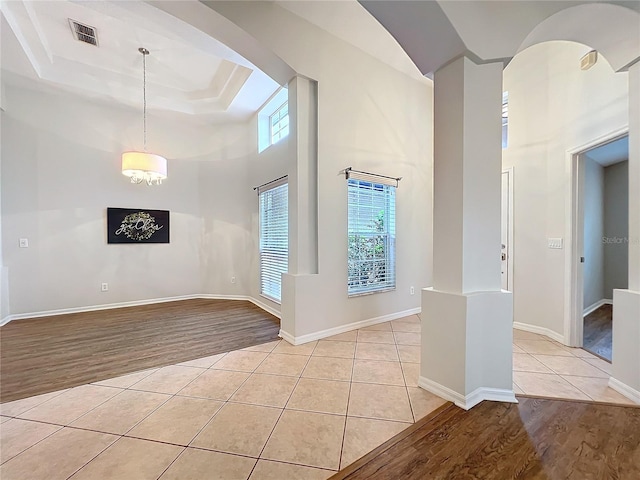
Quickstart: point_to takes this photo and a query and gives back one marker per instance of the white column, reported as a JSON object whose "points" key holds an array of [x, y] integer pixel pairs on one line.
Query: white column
{"points": [[467, 320], [625, 376], [298, 284]]}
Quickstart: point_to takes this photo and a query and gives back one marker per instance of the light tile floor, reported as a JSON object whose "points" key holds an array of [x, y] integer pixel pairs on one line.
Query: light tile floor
{"points": [[272, 411]]}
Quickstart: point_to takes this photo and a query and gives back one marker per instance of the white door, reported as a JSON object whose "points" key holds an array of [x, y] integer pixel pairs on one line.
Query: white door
{"points": [[506, 230]]}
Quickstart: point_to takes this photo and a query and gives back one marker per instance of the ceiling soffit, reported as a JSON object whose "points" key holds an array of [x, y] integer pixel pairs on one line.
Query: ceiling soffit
{"points": [[187, 71], [435, 32]]}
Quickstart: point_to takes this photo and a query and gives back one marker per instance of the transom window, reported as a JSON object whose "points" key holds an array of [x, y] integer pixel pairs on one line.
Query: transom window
{"points": [[372, 237], [273, 120], [279, 123]]}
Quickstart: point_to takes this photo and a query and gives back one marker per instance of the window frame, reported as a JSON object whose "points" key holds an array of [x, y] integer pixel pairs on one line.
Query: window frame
{"points": [[275, 103], [355, 229], [281, 119], [263, 277], [505, 119]]}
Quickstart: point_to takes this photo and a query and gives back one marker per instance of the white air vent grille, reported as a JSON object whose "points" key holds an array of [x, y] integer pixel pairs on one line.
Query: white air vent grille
{"points": [[84, 33], [589, 60]]}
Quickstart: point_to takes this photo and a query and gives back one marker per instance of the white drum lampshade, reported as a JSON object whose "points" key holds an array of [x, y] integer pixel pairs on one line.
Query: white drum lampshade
{"points": [[142, 166]]}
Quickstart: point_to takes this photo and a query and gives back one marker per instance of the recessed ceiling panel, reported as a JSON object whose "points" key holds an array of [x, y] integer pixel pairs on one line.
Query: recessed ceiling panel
{"points": [[185, 73]]}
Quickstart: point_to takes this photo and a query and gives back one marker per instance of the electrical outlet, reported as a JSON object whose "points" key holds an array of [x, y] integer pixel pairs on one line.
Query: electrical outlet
{"points": [[412, 290], [233, 279], [104, 287], [24, 243]]}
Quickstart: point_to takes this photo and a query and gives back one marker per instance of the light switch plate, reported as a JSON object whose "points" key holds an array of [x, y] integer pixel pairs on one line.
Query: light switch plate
{"points": [[556, 243], [24, 243]]}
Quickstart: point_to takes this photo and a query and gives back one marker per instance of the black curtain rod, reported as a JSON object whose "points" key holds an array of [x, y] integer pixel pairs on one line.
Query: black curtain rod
{"points": [[350, 169], [269, 183]]}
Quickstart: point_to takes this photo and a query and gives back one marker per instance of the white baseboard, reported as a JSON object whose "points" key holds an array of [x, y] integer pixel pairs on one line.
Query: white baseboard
{"points": [[624, 389], [540, 331], [136, 303], [255, 301], [469, 401], [595, 306], [310, 337], [286, 336]]}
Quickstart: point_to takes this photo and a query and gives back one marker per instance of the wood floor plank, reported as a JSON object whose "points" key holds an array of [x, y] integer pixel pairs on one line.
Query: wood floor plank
{"points": [[45, 354], [597, 337], [535, 439]]}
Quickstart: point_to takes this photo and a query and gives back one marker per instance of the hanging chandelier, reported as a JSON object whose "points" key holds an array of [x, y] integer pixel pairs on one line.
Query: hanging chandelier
{"points": [[143, 166]]}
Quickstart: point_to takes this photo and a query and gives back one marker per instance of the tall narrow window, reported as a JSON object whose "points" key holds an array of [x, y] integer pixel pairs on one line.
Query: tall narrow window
{"points": [[372, 237], [505, 119], [274, 239], [279, 123]]}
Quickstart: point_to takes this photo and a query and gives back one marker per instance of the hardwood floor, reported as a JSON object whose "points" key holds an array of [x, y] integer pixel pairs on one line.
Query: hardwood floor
{"points": [[597, 332], [45, 354], [535, 439]]}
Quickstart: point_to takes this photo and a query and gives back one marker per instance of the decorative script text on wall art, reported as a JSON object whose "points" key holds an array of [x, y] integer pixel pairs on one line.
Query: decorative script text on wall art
{"points": [[129, 225]]}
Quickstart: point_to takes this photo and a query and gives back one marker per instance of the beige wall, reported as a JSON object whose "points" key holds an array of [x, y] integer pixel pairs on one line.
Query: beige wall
{"points": [[554, 107], [616, 227], [373, 118], [61, 170]]}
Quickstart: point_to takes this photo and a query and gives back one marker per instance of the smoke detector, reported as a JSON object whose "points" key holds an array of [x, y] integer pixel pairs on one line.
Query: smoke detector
{"points": [[589, 60], [84, 33]]}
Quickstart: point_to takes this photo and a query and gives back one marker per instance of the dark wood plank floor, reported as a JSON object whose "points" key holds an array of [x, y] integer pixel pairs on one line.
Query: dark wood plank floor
{"points": [[535, 439], [597, 332], [45, 354]]}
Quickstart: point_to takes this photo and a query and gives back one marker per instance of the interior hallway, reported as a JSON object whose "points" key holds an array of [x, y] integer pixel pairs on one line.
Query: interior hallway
{"points": [[267, 411], [598, 330]]}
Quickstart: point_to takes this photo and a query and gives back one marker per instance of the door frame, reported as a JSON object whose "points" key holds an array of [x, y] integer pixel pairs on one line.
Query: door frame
{"points": [[510, 230], [574, 282]]}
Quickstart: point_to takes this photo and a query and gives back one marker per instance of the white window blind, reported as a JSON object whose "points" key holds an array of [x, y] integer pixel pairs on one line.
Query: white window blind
{"points": [[274, 239], [372, 236]]}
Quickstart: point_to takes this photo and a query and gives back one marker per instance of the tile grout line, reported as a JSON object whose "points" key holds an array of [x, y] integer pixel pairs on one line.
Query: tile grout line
{"points": [[224, 402], [576, 387], [299, 377], [171, 463], [344, 430], [30, 446], [282, 410], [157, 408], [404, 378], [121, 436], [93, 458]]}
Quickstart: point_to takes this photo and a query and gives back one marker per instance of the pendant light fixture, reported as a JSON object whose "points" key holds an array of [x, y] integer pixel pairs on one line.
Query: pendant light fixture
{"points": [[144, 166]]}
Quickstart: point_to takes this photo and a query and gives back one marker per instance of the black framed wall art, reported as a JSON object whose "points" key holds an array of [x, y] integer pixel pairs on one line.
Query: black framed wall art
{"points": [[133, 225]]}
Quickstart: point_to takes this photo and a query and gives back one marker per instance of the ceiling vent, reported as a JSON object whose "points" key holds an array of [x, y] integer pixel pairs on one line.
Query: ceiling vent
{"points": [[84, 33], [589, 60]]}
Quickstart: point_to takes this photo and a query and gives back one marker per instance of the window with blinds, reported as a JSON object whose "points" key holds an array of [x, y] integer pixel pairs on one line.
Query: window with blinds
{"points": [[274, 240], [372, 237]]}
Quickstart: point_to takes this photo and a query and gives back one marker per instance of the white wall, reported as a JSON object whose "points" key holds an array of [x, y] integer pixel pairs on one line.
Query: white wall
{"points": [[616, 227], [593, 232], [370, 117], [553, 107], [61, 170]]}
